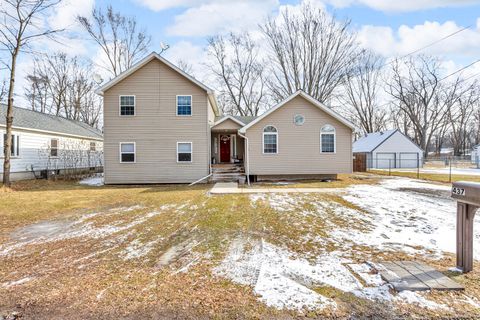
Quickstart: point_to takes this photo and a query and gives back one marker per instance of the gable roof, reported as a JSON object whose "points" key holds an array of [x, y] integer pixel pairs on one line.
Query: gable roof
{"points": [[241, 120], [219, 120], [211, 95], [46, 123], [309, 98], [371, 141]]}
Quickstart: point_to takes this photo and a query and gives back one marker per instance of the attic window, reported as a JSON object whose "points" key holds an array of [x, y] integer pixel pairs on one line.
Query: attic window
{"points": [[299, 119]]}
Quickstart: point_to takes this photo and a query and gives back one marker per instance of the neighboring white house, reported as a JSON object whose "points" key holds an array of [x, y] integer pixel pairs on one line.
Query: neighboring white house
{"points": [[389, 149], [42, 142]]}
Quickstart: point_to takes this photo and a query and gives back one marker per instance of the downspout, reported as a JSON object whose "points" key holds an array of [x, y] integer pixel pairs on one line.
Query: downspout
{"points": [[247, 168]]}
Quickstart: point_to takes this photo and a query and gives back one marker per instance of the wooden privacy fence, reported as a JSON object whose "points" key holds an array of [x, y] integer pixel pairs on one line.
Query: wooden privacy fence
{"points": [[360, 162]]}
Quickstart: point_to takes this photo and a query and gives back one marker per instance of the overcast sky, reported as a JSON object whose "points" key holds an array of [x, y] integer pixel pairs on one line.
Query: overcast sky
{"points": [[391, 28]]}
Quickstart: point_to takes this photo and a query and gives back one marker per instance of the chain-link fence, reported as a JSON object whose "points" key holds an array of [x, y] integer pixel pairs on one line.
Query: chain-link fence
{"points": [[444, 169]]}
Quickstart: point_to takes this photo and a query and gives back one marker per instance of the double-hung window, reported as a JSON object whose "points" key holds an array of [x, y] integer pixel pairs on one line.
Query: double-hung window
{"points": [[127, 152], [184, 152], [270, 140], [184, 105], [327, 139], [93, 147], [54, 148], [14, 145], [127, 105]]}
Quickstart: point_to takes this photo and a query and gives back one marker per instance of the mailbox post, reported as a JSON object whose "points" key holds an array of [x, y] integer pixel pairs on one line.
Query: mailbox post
{"points": [[467, 195]]}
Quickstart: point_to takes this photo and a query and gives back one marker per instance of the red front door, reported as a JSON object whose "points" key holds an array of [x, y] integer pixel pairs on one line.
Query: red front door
{"points": [[224, 148]]}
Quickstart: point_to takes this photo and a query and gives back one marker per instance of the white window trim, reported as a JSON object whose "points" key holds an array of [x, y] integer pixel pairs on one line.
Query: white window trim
{"points": [[191, 152], [17, 146], [58, 147], [334, 140], [176, 105], [134, 105], [263, 139], [134, 152]]}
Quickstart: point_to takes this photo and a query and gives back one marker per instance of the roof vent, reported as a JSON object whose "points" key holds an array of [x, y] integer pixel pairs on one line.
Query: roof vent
{"points": [[381, 133]]}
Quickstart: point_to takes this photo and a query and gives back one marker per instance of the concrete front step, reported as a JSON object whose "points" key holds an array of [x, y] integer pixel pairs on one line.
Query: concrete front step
{"points": [[228, 177]]}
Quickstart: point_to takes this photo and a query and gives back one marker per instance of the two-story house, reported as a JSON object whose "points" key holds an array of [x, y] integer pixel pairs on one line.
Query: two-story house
{"points": [[163, 126]]}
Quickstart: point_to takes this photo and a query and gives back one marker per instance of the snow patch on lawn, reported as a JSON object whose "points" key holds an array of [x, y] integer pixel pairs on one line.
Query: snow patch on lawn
{"points": [[83, 227], [10, 284], [136, 249], [406, 214], [285, 280], [95, 181]]}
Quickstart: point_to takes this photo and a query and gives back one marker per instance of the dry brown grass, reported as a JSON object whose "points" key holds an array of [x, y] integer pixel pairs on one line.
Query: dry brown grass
{"points": [[88, 277]]}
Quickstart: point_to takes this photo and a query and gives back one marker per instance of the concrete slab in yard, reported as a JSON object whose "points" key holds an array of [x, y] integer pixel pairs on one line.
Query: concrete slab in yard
{"points": [[415, 276]]}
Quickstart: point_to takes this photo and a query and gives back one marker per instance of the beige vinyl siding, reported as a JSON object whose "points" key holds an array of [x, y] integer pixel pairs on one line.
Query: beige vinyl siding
{"points": [[156, 128], [228, 124], [211, 113], [299, 146]]}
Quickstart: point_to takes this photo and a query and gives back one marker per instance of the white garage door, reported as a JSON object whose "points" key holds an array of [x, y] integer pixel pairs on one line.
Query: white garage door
{"points": [[384, 160], [408, 160]]}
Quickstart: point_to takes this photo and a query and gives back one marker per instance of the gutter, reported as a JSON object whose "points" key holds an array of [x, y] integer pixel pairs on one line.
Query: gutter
{"points": [[247, 168]]}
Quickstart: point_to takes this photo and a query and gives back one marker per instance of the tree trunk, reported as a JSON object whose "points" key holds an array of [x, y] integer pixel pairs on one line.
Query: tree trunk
{"points": [[7, 149]]}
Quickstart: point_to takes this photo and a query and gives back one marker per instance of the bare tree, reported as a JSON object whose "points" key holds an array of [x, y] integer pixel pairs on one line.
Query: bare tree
{"points": [[460, 116], [361, 93], [37, 90], [21, 22], [311, 51], [185, 66], [3, 90], [69, 88], [240, 73], [419, 93], [118, 36]]}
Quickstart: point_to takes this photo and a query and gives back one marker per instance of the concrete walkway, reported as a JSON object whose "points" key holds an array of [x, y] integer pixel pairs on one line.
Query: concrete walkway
{"points": [[232, 187]]}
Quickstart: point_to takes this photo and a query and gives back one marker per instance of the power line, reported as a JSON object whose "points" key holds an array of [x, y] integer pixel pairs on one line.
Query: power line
{"points": [[460, 70], [435, 42], [427, 46]]}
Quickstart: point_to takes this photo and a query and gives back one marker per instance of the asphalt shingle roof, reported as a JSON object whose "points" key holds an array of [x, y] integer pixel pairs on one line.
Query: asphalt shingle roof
{"points": [[371, 141], [244, 119], [30, 119]]}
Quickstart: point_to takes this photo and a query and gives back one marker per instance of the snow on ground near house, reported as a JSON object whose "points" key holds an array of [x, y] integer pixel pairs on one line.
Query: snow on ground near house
{"points": [[398, 214], [406, 213], [95, 181], [284, 280]]}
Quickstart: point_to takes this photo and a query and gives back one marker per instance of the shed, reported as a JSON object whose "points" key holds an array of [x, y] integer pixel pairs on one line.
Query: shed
{"points": [[476, 154], [388, 149]]}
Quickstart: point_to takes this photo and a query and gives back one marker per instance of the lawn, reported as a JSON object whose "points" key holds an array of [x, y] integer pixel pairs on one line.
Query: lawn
{"points": [[74, 251]]}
